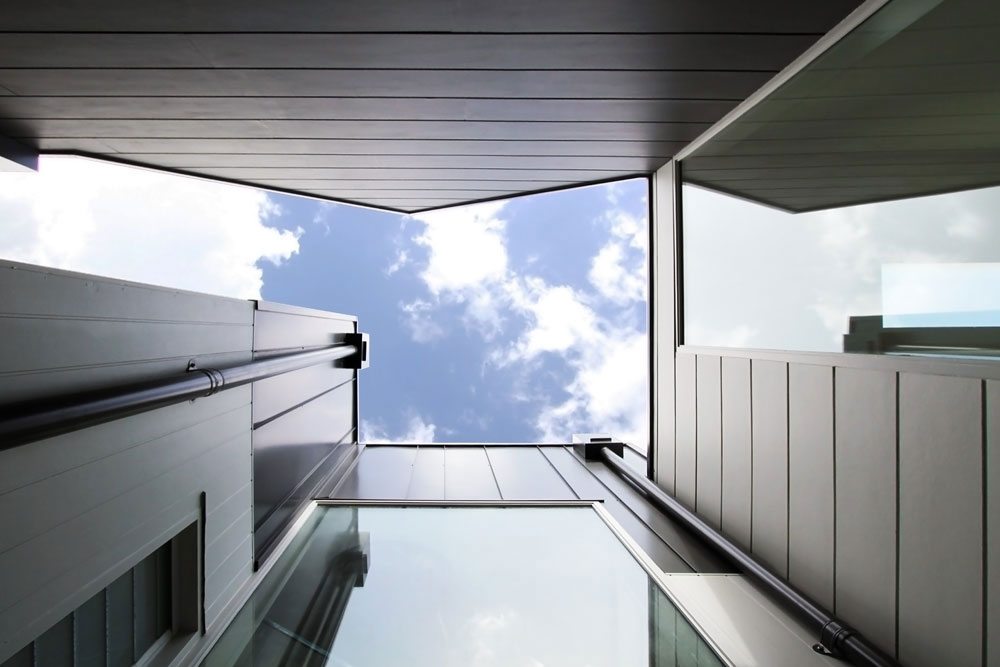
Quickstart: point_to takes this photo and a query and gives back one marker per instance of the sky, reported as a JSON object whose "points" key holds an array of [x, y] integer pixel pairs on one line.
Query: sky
{"points": [[514, 321]]}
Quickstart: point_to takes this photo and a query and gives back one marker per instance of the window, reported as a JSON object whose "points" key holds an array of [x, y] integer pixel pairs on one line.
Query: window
{"points": [[436, 586], [855, 207], [116, 627]]}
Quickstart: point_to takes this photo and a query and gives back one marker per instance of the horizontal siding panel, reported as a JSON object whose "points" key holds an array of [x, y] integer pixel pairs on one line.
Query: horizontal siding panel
{"points": [[227, 533], [36, 290], [437, 51], [34, 510], [30, 385], [363, 108], [273, 330], [90, 533], [383, 83], [60, 579], [430, 16], [40, 460], [277, 394], [219, 576], [75, 342], [412, 153], [359, 129]]}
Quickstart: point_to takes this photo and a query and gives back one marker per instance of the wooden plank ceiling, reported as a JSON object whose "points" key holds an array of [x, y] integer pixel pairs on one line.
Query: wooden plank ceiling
{"points": [[908, 104], [404, 105]]}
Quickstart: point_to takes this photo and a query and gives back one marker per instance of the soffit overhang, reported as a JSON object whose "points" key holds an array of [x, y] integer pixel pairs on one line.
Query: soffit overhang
{"points": [[397, 105], [906, 105]]}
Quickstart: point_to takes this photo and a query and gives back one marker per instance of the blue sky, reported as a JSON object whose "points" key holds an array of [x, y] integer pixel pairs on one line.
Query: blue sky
{"points": [[521, 320], [490, 322]]}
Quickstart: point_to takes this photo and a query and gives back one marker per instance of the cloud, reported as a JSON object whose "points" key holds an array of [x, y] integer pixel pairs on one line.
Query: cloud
{"points": [[468, 265], [142, 225], [467, 247], [618, 271], [423, 326], [559, 318], [417, 432], [608, 390], [402, 259], [467, 259], [616, 283]]}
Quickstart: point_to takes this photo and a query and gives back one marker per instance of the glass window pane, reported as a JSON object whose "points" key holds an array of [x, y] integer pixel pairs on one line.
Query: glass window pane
{"points": [[918, 275], [375, 586]]}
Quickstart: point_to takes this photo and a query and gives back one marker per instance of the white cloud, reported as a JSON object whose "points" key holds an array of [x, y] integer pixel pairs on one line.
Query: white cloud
{"points": [[141, 225], [417, 432], [467, 247], [609, 275], [402, 259], [419, 318], [608, 393], [467, 260], [560, 320], [468, 265]]}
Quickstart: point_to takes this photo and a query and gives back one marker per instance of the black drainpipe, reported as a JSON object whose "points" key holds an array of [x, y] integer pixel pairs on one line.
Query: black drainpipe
{"points": [[22, 423], [836, 638]]}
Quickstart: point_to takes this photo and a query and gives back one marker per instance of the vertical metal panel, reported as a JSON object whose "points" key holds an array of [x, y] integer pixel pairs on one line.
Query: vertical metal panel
{"points": [[690, 548], [144, 590], [686, 456], [467, 475], [769, 392], [89, 636], [992, 583], [427, 482], [55, 647], [810, 481], [586, 486], [300, 418], [522, 473], [381, 472], [940, 520], [865, 490], [736, 450], [119, 606], [709, 432], [662, 325], [287, 450]]}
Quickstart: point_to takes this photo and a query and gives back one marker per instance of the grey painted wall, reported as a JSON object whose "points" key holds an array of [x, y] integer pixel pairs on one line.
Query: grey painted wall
{"points": [[872, 487], [80, 509]]}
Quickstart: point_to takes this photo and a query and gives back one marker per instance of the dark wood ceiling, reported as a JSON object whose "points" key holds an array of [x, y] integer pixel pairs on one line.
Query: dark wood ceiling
{"points": [[393, 104]]}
